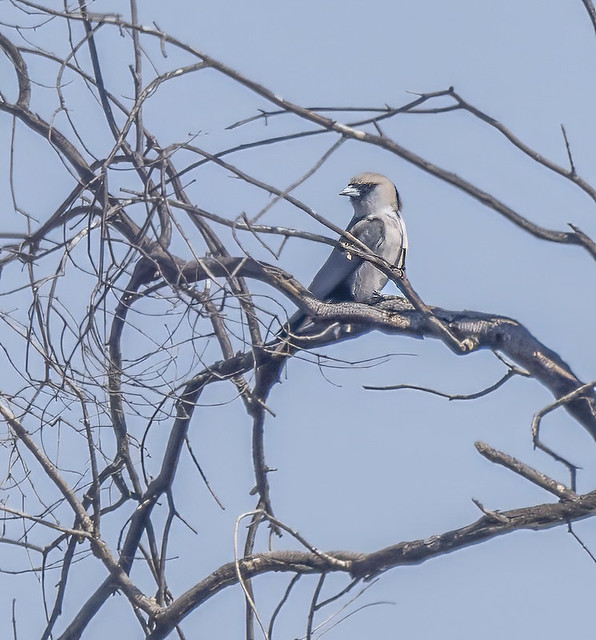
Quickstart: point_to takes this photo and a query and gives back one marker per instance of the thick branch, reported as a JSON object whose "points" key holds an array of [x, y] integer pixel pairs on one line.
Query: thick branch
{"points": [[394, 315]]}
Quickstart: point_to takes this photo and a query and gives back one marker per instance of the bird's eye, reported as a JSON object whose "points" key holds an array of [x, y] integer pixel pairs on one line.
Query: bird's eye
{"points": [[364, 189]]}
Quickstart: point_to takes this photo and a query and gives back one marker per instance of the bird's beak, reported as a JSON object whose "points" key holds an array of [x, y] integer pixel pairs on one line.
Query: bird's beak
{"points": [[351, 191]]}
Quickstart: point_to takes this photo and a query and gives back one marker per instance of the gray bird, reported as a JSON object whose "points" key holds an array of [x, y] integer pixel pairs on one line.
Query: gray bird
{"points": [[378, 224]]}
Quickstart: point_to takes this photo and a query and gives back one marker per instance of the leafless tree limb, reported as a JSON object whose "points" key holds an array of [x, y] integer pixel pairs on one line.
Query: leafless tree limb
{"points": [[368, 565], [134, 245]]}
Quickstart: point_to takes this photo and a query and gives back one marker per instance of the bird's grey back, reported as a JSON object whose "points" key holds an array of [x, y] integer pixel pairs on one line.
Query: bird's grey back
{"points": [[376, 223], [391, 245]]}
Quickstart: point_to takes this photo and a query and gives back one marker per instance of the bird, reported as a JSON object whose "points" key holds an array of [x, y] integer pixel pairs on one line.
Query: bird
{"points": [[377, 223]]}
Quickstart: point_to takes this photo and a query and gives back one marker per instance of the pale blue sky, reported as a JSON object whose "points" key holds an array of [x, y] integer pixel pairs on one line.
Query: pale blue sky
{"points": [[360, 469]]}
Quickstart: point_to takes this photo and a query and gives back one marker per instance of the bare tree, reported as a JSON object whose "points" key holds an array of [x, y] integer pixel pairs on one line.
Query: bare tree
{"points": [[125, 299]]}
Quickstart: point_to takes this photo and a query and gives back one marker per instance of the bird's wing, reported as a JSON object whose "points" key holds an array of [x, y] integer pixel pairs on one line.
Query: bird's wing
{"points": [[336, 270], [339, 266], [370, 231]]}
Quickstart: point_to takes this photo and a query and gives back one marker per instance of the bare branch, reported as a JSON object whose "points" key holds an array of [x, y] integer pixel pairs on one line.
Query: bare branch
{"points": [[367, 565], [132, 293], [589, 5], [538, 478]]}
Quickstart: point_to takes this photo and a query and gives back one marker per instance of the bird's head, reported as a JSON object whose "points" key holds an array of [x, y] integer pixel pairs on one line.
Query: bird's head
{"points": [[370, 193]]}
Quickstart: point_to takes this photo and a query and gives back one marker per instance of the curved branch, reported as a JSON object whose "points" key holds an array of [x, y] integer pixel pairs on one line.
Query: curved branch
{"points": [[393, 315], [21, 70], [570, 173], [589, 5], [362, 565]]}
